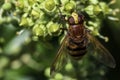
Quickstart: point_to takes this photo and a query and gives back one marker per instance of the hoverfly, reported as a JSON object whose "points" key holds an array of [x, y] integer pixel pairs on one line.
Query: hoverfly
{"points": [[76, 43]]}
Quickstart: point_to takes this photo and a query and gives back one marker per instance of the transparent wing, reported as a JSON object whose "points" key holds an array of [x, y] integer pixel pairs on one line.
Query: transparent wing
{"points": [[102, 54], [60, 59]]}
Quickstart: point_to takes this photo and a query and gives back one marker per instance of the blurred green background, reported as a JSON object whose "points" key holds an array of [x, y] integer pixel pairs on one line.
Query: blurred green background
{"points": [[28, 43], [112, 29]]}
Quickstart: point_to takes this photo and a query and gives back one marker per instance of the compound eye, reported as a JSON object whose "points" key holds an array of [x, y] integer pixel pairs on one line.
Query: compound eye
{"points": [[71, 21], [81, 19]]}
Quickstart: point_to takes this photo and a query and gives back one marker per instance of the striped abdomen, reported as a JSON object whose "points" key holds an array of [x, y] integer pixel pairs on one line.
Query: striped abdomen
{"points": [[76, 50]]}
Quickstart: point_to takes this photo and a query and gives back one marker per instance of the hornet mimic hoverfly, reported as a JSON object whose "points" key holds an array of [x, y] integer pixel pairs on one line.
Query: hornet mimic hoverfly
{"points": [[76, 43]]}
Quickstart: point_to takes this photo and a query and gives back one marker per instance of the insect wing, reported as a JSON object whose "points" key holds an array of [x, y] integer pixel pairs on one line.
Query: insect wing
{"points": [[60, 59], [102, 54]]}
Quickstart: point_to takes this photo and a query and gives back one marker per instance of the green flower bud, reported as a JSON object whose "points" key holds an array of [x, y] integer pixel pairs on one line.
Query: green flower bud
{"points": [[50, 5], [68, 67], [89, 10], [70, 6], [4, 61], [104, 7], [31, 2], [20, 4], [38, 30], [35, 14], [93, 1], [30, 22], [94, 24], [47, 72], [64, 1], [53, 28], [6, 6], [2, 40], [102, 72], [24, 21], [58, 76], [97, 9], [35, 38]]}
